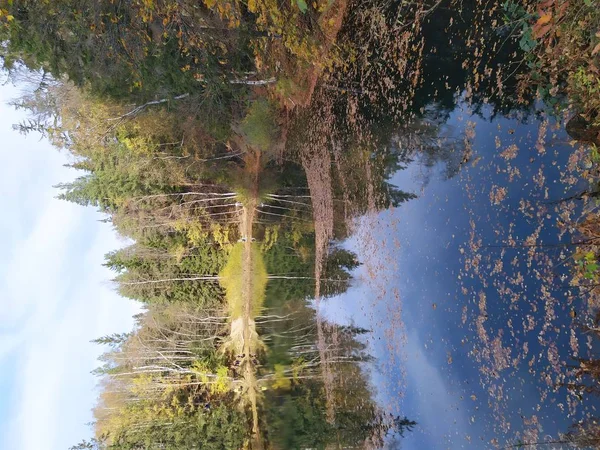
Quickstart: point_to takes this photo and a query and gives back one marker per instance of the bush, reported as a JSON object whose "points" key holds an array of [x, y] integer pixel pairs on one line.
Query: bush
{"points": [[259, 125]]}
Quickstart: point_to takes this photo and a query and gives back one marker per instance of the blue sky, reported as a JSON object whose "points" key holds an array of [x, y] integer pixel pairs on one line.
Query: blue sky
{"points": [[55, 295]]}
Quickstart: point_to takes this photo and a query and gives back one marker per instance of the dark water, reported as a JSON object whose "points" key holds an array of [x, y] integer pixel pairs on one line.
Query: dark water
{"points": [[475, 375]]}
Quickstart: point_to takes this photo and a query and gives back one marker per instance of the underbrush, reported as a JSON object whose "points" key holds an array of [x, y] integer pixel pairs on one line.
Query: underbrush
{"points": [[561, 44]]}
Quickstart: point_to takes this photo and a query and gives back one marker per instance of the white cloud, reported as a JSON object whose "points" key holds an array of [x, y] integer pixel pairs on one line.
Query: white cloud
{"points": [[54, 390], [57, 391], [54, 298], [37, 263], [442, 416]]}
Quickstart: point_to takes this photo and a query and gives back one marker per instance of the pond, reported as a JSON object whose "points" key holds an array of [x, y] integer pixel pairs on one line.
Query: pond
{"points": [[471, 310]]}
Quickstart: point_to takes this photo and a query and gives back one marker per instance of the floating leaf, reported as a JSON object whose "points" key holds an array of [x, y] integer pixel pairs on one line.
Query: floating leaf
{"points": [[527, 43], [302, 5], [541, 31], [544, 19]]}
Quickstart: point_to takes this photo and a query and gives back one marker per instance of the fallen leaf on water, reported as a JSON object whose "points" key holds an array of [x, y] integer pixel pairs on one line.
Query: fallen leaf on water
{"points": [[538, 32], [544, 19]]}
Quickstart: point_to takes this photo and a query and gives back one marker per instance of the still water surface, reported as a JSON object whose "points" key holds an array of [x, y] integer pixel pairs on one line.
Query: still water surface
{"points": [[472, 327]]}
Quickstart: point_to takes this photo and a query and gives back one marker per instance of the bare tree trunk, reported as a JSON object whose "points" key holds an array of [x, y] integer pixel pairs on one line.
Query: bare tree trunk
{"points": [[254, 82]]}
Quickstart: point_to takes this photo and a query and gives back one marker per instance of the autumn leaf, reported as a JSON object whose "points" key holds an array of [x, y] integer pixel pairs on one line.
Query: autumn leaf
{"points": [[541, 31], [596, 49], [544, 19]]}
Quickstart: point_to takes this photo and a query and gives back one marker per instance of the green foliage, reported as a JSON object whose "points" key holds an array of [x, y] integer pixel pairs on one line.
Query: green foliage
{"points": [[527, 42], [302, 5], [108, 188], [560, 46], [595, 154], [233, 280], [113, 340], [259, 125], [138, 263], [220, 428], [297, 419], [280, 380], [517, 17], [588, 264], [286, 87], [125, 49], [585, 90]]}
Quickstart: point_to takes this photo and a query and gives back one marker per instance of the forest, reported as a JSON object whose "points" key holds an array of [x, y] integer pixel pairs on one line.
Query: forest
{"points": [[237, 145]]}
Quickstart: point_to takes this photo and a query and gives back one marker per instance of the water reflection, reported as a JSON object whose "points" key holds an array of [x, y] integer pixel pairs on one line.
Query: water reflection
{"points": [[487, 335]]}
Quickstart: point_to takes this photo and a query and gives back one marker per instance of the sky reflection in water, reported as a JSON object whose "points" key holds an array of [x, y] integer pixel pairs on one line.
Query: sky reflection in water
{"points": [[458, 401]]}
